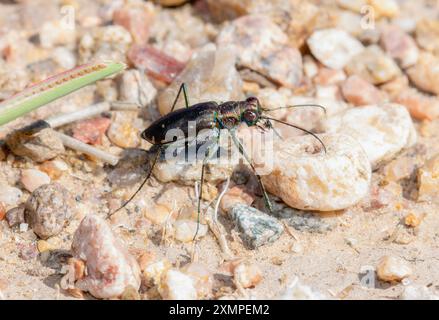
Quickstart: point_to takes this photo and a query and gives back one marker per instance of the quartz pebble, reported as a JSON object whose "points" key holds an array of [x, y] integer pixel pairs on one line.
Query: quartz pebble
{"points": [[305, 177], [413, 292], [176, 285], [104, 43], [9, 195], [384, 8], [419, 105], [91, 131], [258, 228], [203, 278], [247, 275], [48, 209], [427, 35], [425, 73], [373, 65], [32, 179], [36, 141], [110, 267], [428, 180], [391, 268], [209, 76], [54, 33], [360, 92], [122, 131], [54, 168], [157, 64], [185, 230], [136, 18], [298, 291], [136, 88], [262, 46], [383, 131], [334, 47], [400, 46]]}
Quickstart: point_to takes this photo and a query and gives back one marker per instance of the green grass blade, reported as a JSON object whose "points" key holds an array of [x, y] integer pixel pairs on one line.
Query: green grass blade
{"points": [[55, 87]]}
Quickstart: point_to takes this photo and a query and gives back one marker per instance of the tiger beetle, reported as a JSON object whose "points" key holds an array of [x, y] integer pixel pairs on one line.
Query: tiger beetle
{"points": [[211, 115]]}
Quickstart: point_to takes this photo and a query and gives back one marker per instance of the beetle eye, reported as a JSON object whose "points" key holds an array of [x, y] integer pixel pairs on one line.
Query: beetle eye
{"points": [[250, 116]]}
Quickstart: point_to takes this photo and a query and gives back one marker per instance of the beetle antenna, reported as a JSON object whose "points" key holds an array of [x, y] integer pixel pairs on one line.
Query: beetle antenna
{"points": [[299, 128], [141, 185], [298, 106]]}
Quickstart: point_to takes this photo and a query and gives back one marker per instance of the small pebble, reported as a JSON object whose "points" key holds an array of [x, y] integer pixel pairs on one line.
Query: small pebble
{"points": [[391, 268], [176, 285], [247, 275], [91, 131], [257, 228], [210, 76], [48, 209], [54, 168], [9, 195], [236, 194], [373, 65], [413, 292], [110, 267], [427, 34], [43, 246], [27, 251], [136, 18], [298, 291], [36, 141], [421, 106], [400, 46], [334, 47], [33, 179], [202, 277], [425, 73], [122, 132], [185, 230], [15, 216], [360, 92], [23, 227], [157, 64], [428, 180], [134, 87], [262, 46], [411, 220]]}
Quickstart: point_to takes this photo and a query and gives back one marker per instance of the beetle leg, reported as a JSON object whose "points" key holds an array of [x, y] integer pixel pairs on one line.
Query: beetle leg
{"points": [[209, 153], [186, 99], [242, 151], [157, 155]]}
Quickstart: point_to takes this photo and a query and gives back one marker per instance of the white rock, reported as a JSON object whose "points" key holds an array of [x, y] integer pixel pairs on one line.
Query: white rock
{"points": [[297, 291], [383, 131], [64, 57], [55, 33], [392, 268], [334, 47], [185, 230], [32, 179], [247, 275], [202, 277], [413, 292], [9, 195], [110, 267], [154, 271], [136, 88], [305, 177], [176, 285]]}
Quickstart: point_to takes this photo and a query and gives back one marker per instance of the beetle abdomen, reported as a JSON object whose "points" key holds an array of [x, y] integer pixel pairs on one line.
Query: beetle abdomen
{"points": [[193, 119]]}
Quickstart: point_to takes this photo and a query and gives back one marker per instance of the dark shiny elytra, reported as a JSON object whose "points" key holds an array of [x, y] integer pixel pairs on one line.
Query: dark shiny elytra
{"points": [[202, 115]]}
